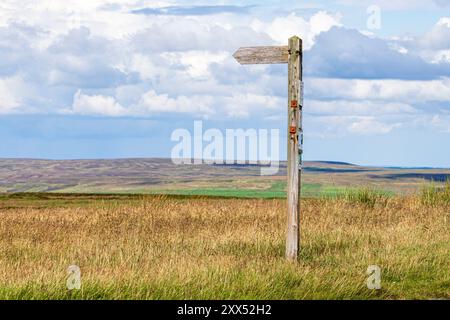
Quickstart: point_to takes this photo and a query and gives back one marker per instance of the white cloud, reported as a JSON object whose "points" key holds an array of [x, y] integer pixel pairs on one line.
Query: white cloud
{"points": [[196, 62], [204, 106], [370, 126], [441, 122], [9, 101], [362, 107], [207, 106], [434, 45], [370, 107], [332, 126], [438, 37], [406, 91], [146, 66], [151, 102], [347, 53], [61, 16], [439, 56], [104, 60], [282, 28], [244, 105], [96, 105]]}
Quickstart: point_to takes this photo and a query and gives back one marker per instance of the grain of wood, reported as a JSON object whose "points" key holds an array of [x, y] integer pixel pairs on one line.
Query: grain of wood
{"points": [[262, 55], [294, 149]]}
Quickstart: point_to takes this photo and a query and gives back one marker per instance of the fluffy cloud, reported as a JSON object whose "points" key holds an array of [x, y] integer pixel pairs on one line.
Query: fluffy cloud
{"points": [[434, 45], [201, 106], [441, 121], [381, 90], [244, 105], [280, 29], [16, 49], [346, 53], [332, 126], [143, 59], [329, 118], [8, 100], [96, 105], [369, 125], [356, 108], [369, 107], [151, 102], [112, 20], [196, 62], [439, 36], [79, 59]]}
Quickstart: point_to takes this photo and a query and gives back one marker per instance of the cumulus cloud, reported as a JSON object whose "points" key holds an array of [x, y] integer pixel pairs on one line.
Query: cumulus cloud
{"points": [[185, 34], [331, 118], [434, 45], [357, 108], [96, 105], [152, 102], [441, 122], [347, 53], [244, 105], [81, 60], [332, 126], [281, 28], [143, 58], [438, 37], [8, 100], [386, 90], [16, 48], [369, 125], [196, 62]]}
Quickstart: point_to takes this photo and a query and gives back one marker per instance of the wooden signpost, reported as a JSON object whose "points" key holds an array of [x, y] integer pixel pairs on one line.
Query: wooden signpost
{"points": [[292, 55]]}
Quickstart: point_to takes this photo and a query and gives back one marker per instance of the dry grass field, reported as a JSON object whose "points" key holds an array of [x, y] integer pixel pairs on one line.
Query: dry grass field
{"points": [[163, 247]]}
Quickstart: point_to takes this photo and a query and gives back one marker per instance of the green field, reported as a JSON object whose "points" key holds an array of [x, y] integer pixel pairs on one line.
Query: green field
{"points": [[277, 190]]}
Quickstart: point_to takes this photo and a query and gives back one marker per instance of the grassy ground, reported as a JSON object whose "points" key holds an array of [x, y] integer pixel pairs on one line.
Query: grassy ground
{"points": [[162, 247], [277, 189]]}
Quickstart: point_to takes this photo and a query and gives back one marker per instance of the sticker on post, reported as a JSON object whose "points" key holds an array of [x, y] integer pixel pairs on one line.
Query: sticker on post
{"points": [[294, 104]]}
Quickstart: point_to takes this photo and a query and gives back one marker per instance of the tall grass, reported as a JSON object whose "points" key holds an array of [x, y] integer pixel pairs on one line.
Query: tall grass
{"points": [[202, 248], [366, 196], [435, 195]]}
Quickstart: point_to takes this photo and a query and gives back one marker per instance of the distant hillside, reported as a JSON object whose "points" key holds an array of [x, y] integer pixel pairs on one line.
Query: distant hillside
{"points": [[156, 175]]}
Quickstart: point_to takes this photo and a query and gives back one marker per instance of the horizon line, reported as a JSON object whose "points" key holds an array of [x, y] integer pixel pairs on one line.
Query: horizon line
{"points": [[235, 161]]}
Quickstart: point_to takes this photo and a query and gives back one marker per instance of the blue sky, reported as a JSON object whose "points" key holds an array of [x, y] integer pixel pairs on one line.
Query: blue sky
{"points": [[106, 79]]}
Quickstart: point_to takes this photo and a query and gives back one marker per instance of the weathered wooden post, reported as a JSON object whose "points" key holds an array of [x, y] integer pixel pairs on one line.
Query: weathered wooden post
{"points": [[294, 148], [292, 55]]}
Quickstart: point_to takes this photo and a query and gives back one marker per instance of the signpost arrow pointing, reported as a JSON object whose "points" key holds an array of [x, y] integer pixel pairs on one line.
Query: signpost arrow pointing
{"points": [[292, 55], [262, 55]]}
